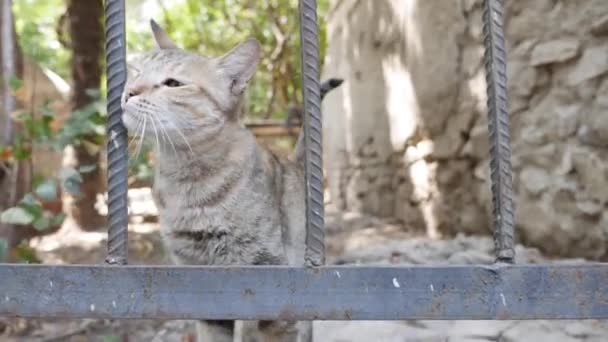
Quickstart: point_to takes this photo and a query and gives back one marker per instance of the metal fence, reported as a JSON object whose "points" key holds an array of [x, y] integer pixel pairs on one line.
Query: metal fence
{"points": [[314, 292]]}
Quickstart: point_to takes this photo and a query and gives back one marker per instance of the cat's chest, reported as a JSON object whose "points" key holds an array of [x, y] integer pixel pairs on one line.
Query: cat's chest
{"points": [[179, 206], [237, 232], [201, 207]]}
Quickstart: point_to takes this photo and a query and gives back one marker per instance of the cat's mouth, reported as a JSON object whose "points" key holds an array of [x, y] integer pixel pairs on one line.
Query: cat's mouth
{"points": [[130, 121]]}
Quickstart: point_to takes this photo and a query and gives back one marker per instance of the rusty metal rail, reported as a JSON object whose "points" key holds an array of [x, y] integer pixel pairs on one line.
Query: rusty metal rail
{"points": [[499, 291]]}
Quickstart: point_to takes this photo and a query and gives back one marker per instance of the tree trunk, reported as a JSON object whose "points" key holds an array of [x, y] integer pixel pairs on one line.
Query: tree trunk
{"points": [[86, 31]]}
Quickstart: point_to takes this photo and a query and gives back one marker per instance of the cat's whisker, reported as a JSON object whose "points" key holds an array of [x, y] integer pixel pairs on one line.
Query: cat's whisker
{"points": [[134, 135], [179, 160], [156, 134], [183, 137], [164, 131], [141, 140], [154, 115], [164, 145], [135, 138]]}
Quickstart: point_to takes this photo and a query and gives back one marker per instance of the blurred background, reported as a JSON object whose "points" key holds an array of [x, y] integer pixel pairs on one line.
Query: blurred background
{"points": [[405, 139]]}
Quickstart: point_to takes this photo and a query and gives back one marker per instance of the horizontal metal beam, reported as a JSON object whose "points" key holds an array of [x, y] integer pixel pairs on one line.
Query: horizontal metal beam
{"points": [[327, 293]]}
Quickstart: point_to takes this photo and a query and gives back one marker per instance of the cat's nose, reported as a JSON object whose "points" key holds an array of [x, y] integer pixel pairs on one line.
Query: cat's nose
{"points": [[129, 95], [133, 91]]}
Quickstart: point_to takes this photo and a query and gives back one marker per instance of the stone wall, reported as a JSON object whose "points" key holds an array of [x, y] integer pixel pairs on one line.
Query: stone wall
{"points": [[406, 134]]}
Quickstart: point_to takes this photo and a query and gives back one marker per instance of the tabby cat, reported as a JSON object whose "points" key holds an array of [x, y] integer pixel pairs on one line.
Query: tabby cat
{"points": [[222, 198]]}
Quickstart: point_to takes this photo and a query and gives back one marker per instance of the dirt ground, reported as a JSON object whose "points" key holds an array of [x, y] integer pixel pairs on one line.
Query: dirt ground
{"points": [[351, 239]]}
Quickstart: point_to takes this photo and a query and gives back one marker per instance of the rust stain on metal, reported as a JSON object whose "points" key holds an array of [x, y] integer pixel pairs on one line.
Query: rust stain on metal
{"points": [[348, 314], [148, 283], [291, 313], [287, 313], [554, 274], [436, 309], [292, 287], [579, 276], [503, 315]]}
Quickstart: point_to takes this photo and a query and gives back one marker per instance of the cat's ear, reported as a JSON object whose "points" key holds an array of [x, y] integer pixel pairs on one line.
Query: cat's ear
{"points": [[161, 37], [240, 63]]}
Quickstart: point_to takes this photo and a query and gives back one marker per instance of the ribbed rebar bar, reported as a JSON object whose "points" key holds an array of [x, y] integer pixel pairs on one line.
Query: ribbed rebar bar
{"points": [[498, 127], [315, 235], [117, 133]]}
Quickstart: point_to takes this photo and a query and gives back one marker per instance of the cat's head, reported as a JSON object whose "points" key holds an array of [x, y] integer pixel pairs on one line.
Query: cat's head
{"points": [[176, 93]]}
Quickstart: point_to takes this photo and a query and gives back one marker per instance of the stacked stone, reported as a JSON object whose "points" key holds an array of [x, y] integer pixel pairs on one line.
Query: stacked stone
{"points": [[412, 141]]}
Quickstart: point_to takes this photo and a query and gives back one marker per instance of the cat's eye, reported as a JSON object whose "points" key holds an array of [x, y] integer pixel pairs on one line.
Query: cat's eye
{"points": [[171, 82]]}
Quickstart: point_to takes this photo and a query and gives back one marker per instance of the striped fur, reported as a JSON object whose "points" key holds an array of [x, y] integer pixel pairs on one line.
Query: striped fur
{"points": [[222, 198]]}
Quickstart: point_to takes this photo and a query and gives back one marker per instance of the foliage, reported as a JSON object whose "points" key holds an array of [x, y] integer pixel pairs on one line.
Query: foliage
{"points": [[40, 25], [22, 253], [84, 127], [37, 24], [195, 25], [3, 249], [111, 338], [29, 211]]}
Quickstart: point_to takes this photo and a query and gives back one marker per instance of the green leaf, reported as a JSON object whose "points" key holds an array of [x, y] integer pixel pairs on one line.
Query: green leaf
{"points": [[46, 111], [93, 93], [14, 82], [21, 148], [31, 205], [42, 223], [47, 190], [57, 220], [28, 201], [16, 215], [69, 173], [72, 187], [3, 249], [71, 180], [99, 129], [111, 338], [26, 254]]}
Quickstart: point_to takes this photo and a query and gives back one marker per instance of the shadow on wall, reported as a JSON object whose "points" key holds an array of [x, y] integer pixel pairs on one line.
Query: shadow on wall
{"points": [[395, 137], [406, 136], [357, 147]]}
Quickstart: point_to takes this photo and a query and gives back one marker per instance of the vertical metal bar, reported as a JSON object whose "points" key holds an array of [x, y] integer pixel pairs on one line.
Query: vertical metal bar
{"points": [[117, 133], [498, 127], [8, 71], [315, 235]]}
